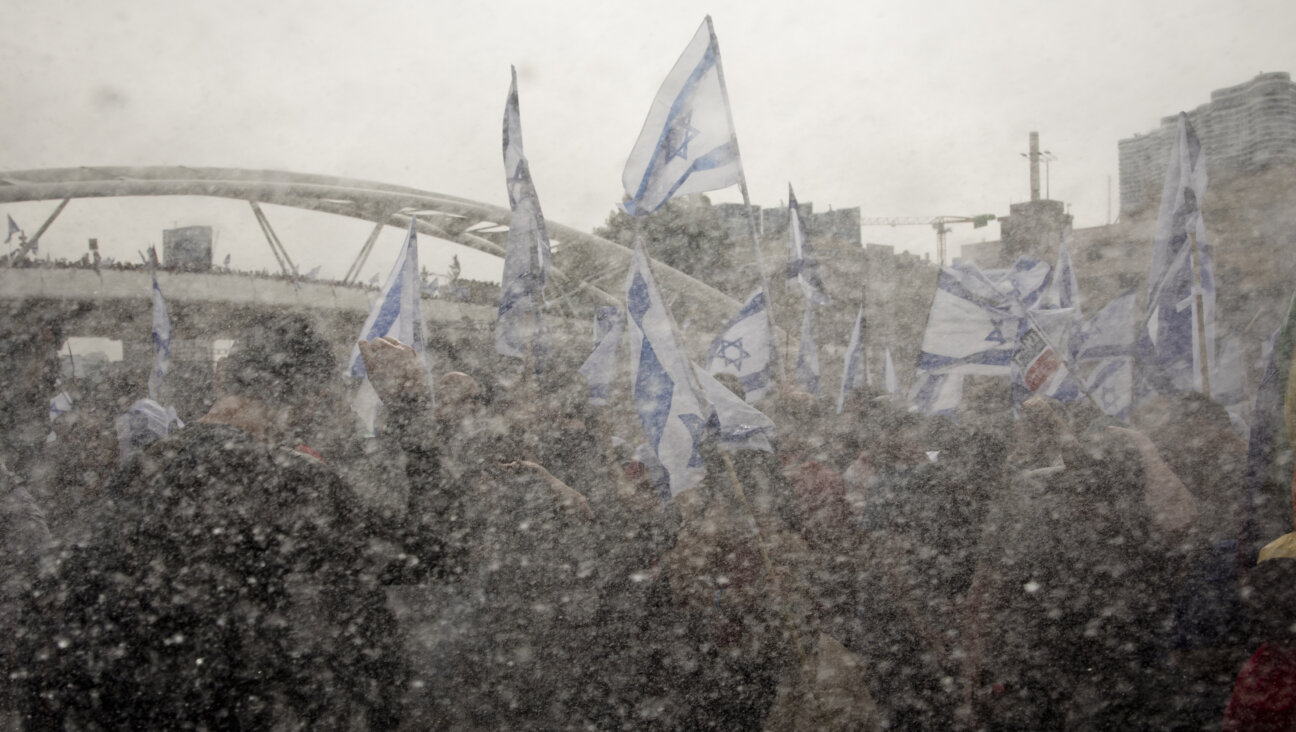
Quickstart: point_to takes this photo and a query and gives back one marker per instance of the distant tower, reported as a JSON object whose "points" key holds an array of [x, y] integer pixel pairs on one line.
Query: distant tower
{"points": [[1036, 226], [1034, 166]]}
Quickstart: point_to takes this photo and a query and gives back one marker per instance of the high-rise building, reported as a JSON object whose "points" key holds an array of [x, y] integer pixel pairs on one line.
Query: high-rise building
{"points": [[1243, 129]]}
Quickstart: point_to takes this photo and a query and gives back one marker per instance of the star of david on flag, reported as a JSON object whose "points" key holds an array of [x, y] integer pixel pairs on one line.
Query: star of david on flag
{"points": [[666, 393], [687, 144], [733, 353], [996, 332], [968, 332], [743, 348], [680, 135], [971, 328]]}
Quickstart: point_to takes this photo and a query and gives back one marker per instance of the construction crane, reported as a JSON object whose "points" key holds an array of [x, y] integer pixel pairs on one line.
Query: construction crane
{"points": [[939, 223]]}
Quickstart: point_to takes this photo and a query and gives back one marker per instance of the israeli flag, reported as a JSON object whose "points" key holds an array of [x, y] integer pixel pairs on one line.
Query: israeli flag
{"points": [[802, 264], [736, 424], [13, 228], [889, 378], [161, 335], [1112, 383], [1109, 333], [519, 325], [396, 313], [687, 144], [1172, 311], [665, 388], [937, 393], [807, 370], [971, 328], [744, 348], [1064, 289], [855, 373], [1106, 340], [606, 317], [1025, 284], [599, 369]]}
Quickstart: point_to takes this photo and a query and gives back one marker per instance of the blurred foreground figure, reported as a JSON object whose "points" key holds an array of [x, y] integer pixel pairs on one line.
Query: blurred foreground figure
{"points": [[226, 584], [1264, 694]]}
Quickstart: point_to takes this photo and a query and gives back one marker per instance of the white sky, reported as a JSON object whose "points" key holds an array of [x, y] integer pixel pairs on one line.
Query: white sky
{"points": [[900, 108]]}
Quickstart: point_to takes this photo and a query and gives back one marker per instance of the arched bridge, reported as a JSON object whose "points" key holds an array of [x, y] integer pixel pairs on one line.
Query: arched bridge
{"points": [[469, 223]]}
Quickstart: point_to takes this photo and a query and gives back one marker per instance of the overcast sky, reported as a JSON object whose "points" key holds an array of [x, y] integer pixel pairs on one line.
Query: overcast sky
{"points": [[899, 108]]}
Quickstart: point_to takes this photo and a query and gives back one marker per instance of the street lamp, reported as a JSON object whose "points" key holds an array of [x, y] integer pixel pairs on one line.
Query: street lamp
{"points": [[1047, 157]]}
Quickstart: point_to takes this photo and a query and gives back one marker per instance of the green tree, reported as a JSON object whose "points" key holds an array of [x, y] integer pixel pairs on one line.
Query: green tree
{"points": [[687, 234]]}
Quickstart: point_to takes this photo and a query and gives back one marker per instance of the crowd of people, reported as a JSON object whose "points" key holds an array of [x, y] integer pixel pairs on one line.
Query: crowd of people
{"points": [[499, 555]]}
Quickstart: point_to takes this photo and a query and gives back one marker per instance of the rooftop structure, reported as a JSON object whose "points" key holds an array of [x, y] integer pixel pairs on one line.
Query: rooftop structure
{"points": [[1243, 129]]}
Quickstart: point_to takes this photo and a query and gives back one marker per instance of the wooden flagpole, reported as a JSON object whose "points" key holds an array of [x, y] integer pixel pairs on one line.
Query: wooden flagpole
{"points": [[747, 206]]}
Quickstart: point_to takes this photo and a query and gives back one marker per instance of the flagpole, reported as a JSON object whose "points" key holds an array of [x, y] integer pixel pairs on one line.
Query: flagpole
{"points": [[733, 476], [1200, 312], [742, 188]]}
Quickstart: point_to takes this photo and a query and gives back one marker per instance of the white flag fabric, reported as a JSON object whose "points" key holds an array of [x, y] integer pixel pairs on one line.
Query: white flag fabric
{"points": [[744, 348], [161, 335], [740, 425], [687, 144], [937, 393], [1064, 290], [807, 371], [970, 329], [666, 392], [1111, 383], [60, 404], [889, 378], [1109, 333], [1106, 340], [606, 317], [143, 424], [519, 324], [396, 313], [599, 369], [1170, 326], [1025, 284], [855, 371], [802, 265], [13, 229]]}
